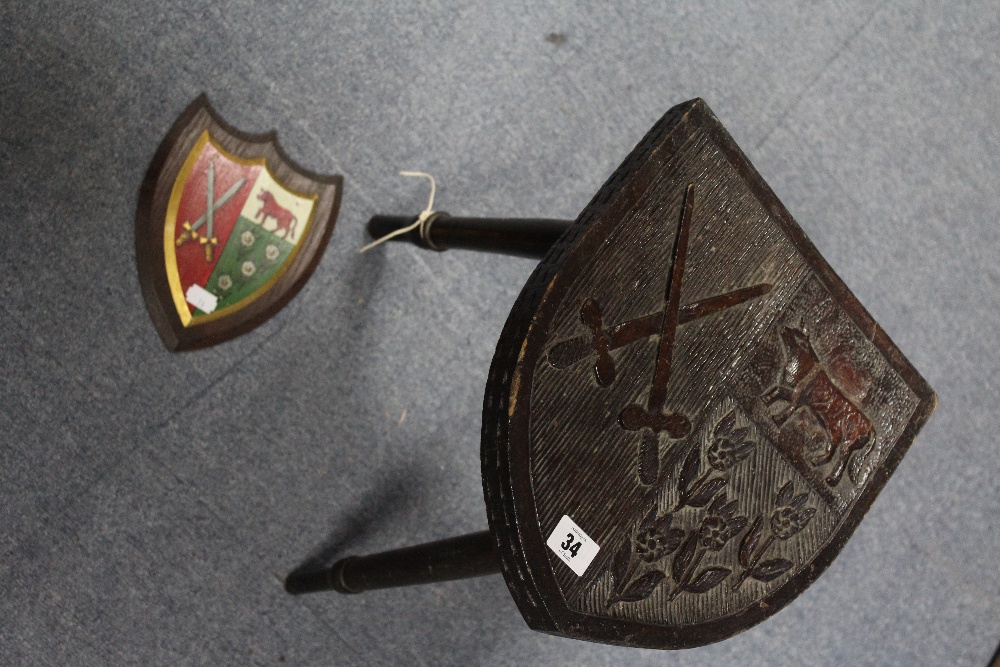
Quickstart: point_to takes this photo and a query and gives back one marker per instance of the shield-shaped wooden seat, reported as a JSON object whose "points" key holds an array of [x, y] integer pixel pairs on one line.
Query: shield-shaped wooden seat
{"points": [[687, 415]]}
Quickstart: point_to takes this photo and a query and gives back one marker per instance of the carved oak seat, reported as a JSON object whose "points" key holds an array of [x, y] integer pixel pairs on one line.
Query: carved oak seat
{"points": [[687, 415]]}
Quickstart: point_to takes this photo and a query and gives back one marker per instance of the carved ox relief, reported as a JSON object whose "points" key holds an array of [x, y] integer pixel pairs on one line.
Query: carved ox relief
{"points": [[831, 392]]}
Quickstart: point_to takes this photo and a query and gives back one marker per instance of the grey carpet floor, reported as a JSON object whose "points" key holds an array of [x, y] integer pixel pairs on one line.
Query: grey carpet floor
{"points": [[151, 503]]}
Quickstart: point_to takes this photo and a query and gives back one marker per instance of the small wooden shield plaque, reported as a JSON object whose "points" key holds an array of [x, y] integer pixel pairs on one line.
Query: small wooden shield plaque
{"points": [[228, 229], [688, 412]]}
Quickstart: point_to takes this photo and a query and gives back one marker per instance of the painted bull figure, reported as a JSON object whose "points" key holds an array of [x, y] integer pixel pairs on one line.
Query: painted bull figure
{"points": [[806, 385], [272, 209]]}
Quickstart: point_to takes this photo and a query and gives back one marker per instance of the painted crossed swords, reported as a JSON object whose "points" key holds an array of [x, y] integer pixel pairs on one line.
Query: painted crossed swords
{"points": [[208, 239], [650, 419]]}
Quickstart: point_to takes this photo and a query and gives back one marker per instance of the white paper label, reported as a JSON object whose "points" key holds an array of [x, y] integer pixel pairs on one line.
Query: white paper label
{"points": [[201, 298], [572, 545]]}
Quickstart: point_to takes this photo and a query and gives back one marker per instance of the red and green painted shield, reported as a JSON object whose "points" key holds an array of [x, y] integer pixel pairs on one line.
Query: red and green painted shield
{"points": [[228, 229]]}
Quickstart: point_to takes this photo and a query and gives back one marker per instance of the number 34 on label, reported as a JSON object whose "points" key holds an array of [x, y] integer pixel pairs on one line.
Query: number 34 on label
{"points": [[573, 546]]}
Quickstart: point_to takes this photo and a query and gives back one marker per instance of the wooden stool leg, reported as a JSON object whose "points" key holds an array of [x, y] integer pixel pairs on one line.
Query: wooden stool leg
{"points": [[509, 236], [462, 557]]}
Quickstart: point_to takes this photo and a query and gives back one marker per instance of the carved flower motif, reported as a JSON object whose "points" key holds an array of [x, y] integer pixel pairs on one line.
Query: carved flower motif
{"points": [[721, 525], [271, 252], [248, 268], [650, 544], [792, 515], [247, 238], [787, 521], [728, 448], [655, 538], [225, 282], [715, 532]]}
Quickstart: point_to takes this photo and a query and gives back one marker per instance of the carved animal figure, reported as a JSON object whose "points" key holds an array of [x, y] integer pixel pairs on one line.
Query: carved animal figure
{"points": [[806, 385], [271, 209]]}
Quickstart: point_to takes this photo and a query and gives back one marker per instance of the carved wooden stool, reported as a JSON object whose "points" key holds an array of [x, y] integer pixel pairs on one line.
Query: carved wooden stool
{"points": [[688, 412]]}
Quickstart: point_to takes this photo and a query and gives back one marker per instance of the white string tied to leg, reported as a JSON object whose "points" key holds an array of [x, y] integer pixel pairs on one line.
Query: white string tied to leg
{"points": [[422, 221]]}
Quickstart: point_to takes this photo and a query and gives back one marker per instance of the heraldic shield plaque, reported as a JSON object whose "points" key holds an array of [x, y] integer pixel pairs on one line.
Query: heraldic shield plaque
{"points": [[228, 229], [688, 412]]}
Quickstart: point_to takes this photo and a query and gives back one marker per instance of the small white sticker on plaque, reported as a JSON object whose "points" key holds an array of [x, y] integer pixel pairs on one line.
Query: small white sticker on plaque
{"points": [[573, 546], [202, 299]]}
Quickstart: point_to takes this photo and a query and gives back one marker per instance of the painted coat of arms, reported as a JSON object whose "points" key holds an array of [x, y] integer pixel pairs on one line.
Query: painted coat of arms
{"points": [[228, 229]]}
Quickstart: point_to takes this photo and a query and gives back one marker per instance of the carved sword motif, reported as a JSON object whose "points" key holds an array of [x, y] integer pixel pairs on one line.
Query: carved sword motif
{"points": [[651, 420], [564, 354]]}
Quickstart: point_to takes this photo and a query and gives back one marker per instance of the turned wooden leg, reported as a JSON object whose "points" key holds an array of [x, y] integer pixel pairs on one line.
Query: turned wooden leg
{"points": [[462, 557], [508, 236]]}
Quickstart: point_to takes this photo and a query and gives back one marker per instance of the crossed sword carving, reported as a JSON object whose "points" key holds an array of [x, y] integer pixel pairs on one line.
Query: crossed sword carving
{"points": [[651, 419], [208, 239]]}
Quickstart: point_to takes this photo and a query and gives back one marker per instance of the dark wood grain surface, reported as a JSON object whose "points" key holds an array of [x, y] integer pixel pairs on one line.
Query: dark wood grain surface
{"points": [[721, 459]]}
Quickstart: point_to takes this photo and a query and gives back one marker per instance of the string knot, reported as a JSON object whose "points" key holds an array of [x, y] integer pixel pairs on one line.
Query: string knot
{"points": [[423, 221]]}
